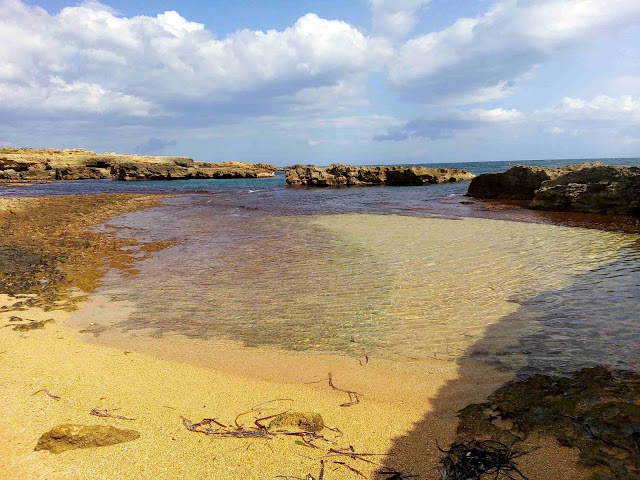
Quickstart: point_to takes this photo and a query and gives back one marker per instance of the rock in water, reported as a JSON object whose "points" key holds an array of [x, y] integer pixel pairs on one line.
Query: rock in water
{"points": [[597, 189], [297, 421], [70, 437], [337, 175], [28, 164], [519, 182]]}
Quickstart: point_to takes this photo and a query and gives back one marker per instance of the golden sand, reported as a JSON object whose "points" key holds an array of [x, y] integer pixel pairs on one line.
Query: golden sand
{"points": [[156, 392]]}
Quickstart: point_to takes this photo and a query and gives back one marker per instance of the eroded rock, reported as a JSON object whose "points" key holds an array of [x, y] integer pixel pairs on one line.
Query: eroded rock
{"points": [[338, 175], [601, 189], [37, 165], [519, 182], [71, 436]]}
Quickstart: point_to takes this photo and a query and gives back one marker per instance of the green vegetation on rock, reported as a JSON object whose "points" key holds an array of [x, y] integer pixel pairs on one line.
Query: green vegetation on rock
{"points": [[596, 411]]}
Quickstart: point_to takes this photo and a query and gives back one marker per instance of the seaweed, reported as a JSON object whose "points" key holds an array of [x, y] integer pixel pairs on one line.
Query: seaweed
{"points": [[475, 459], [595, 410]]}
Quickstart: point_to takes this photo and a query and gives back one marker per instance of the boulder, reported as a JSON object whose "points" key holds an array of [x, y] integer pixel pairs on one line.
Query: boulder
{"points": [[337, 175], [600, 188], [70, 436], [519, 182]]}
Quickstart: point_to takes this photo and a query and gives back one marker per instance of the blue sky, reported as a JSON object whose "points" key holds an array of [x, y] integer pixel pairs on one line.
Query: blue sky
{"points": [[362, 81]]}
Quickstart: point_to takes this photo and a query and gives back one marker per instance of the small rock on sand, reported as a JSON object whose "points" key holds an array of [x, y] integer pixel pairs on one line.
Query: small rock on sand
{"points": [[301, 421], [70, 436]]}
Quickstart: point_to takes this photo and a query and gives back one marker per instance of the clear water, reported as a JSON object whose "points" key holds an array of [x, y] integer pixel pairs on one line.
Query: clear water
{"points": [[382, 270]]}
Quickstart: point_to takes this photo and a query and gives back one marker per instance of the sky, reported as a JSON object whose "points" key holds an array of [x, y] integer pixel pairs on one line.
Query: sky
{"points": [[327, 81]]}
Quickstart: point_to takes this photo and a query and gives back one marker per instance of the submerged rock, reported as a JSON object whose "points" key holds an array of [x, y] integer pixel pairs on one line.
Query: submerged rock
{"points": [[70, 436], [337, 175], [519, 182], [597, 189], [297, 421]]}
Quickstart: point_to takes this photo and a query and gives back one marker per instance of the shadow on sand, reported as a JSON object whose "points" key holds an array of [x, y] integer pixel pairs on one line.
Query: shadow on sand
{"points": [[592, 322]]}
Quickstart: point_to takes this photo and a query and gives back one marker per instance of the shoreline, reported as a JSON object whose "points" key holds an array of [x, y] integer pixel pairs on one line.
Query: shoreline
{"points": [[87, 372]]}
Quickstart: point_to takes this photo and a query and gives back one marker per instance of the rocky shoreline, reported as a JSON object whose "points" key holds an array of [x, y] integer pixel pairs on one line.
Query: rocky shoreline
{"points": [[585, 188], [23, 166], [337, 175]]}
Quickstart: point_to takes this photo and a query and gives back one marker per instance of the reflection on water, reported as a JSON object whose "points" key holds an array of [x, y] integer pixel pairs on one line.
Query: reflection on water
{"points": [[592, 321], [394, 286]]}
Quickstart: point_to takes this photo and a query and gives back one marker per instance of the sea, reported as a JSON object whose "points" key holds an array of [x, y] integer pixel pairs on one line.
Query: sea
{"points": [[408, 274]]}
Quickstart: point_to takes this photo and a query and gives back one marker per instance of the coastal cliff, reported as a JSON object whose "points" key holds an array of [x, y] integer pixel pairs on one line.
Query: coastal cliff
{"points": [[337, 175], [37, 165], [585, 187]]}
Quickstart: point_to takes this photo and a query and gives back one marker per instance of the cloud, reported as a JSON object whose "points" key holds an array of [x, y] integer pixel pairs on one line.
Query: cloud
{"points": [[87, 58], [618, 115], [154, 145], [480, 59], [54, 96], [445, 126], [395, 18]]}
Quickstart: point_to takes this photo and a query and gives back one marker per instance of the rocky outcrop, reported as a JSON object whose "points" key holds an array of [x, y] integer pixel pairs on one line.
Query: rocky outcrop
{"points": [[337, 175], [596, 189], [20, 165], [69, 437], [184, 170], [519, 182]]}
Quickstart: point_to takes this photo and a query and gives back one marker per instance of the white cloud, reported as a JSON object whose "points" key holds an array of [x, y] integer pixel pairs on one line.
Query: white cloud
{"points": [[602, 108], [395, 18], [480, 59], [495, 115], [446, 125], [54, 95], [87, 56]]}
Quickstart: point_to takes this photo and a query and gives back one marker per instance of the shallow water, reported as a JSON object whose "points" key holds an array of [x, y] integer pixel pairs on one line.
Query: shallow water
{"points": [[392, 286]]}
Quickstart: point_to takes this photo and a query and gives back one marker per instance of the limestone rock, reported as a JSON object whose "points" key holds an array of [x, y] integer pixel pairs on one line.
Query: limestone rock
{"points": [[601, 189], [70, 436], [25, 164], [519, 182], [337, 175], [297, 421]]}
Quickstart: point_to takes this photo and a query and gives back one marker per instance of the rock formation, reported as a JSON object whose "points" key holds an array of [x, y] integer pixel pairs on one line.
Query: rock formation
{"points": [[69, 437], [337, 175], [596, 189], [20, 165], [185, 170], [519, 182], [585, 187]]}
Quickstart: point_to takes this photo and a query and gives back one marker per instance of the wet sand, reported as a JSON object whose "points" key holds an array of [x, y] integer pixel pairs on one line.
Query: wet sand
{"points": [[171, 375]]}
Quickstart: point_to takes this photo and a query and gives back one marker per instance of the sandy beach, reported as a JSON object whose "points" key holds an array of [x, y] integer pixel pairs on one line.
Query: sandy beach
{"points": [[57, 375]]}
